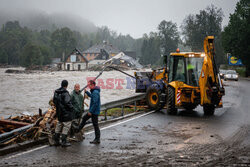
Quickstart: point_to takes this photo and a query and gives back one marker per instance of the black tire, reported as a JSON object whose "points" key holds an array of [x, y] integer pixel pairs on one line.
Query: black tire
{"points": [[153, 97], [190, 107], [208, 109], [171, 102]]}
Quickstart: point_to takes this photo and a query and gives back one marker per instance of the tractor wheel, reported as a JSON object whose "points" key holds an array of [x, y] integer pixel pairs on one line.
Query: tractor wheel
{"points": [[171, 102], [153, 97], [208, 109], [190, 107]]}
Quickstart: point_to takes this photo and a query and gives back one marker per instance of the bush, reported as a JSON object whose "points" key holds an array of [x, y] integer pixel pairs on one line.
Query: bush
{"points": [[241, 71]]}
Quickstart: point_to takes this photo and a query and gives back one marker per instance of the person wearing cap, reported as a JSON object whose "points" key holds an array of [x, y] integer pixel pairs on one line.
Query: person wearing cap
{"points": [[64, 113]]}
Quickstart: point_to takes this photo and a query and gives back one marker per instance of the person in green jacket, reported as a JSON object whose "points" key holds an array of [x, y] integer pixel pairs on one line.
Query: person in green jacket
{"points": [[77, 101]]}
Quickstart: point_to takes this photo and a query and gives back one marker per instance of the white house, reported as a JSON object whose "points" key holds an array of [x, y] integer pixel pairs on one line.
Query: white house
{"points": [[75, 62]]}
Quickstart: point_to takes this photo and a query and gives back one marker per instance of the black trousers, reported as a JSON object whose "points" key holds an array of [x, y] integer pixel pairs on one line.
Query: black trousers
{"points": [[95, 124]]}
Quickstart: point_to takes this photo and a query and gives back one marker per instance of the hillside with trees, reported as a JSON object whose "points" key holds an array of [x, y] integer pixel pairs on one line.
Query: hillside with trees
{"points": [[50, 39]]}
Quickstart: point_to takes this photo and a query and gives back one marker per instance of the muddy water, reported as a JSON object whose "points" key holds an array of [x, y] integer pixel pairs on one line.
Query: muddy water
{"points": [[28, 92]]}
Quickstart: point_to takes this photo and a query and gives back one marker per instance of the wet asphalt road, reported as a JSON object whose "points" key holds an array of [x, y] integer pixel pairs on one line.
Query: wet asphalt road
{"points": [[188, 139]]}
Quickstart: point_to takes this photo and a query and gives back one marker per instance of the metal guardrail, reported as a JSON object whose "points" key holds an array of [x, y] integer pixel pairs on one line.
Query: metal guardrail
{"points": [[121, 103]]}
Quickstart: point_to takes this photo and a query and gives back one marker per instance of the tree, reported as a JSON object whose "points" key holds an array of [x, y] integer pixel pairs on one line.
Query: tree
{"points": [[235, 37], [31, 55], [169, 36], [166, 38], [62, 40], [150, 49], [12, 39], [46, 53], [196, 27], [3, 56]]}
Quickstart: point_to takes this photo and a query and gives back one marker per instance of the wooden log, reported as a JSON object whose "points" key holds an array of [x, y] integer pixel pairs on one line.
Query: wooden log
{"points": [[49, 116], [15, 123]]}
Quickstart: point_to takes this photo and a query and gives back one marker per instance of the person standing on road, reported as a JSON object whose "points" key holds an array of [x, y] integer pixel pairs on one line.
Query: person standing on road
{"points": [[94, 110], [77, 100], [64, 111]]}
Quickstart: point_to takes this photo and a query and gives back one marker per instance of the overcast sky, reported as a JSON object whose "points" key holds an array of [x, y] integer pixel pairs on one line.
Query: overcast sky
{"points": [[134, 17]]}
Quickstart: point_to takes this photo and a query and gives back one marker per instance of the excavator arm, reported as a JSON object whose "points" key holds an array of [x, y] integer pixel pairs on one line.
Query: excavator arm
{"points": [[211, 87]]}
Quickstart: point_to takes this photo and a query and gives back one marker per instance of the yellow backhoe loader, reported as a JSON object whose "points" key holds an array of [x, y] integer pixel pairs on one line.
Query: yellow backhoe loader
{"points": [[189, 79]]}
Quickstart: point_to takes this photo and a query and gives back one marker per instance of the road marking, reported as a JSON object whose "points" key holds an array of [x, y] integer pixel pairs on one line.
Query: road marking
{"points": [[119, 123], [22, 153], [122, 122]]}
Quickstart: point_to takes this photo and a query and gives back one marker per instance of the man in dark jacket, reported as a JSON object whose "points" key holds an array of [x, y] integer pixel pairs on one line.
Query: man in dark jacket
{"points": [[64, 109], [94, 110]]}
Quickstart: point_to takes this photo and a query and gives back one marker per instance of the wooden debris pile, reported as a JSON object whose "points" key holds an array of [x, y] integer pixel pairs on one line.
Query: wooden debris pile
{"points": [[39, 125], [9, 125]]}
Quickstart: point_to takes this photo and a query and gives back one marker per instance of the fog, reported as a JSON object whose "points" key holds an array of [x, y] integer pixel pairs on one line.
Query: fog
{"points": [[134, 17], [40, 20]]}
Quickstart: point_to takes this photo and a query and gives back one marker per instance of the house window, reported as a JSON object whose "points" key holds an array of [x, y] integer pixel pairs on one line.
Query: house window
{"points": [[73, 58]]}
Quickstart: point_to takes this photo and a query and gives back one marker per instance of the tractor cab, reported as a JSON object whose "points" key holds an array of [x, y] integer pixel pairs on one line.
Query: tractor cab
{"points": [[185, 67], [183, 79]]}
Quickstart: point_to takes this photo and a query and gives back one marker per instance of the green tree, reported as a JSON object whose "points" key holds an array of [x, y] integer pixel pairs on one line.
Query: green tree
{"points": [[12, 39], [236, 34], [169, 36], [150, 50], [166, 38], [196, 27], [3, 56], [62, 40], [31, 55], [46, 53], [15, 39]]}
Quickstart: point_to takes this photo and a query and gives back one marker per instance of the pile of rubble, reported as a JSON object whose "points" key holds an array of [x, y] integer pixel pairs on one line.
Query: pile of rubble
{"points": [[27, 127], [101, 67], [125, 61]]}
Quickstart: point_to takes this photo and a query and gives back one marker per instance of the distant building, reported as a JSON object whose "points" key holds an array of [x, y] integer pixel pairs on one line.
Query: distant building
{"points": [[95, 62], [56, 63], [75, 62], [130, 54], [121, 59], [102, 51]]}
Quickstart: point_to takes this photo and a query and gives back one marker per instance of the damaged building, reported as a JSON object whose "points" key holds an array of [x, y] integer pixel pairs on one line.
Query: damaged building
{"points": [[102, 51], [123, 60]]}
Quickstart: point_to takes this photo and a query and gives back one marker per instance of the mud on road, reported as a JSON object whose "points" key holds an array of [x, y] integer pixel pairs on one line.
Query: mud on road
{"points": [[157, 139]]}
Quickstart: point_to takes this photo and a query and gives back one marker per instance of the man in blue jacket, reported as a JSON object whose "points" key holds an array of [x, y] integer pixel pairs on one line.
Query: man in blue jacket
{"points": [[94, 110]]}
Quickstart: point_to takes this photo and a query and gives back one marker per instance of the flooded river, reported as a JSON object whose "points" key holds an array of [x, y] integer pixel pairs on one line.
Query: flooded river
{"points": [[22, 93]]}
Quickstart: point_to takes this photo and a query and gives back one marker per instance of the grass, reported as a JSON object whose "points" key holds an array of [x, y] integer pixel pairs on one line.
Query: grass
{"points": [[118, 111], [241, 71]]}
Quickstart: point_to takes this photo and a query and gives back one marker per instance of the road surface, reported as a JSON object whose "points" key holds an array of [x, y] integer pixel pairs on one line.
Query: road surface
{"points": [[158, 139]]}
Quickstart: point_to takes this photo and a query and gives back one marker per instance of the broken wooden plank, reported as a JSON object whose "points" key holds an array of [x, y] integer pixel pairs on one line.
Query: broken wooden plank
{"points": [[15, 123]]}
